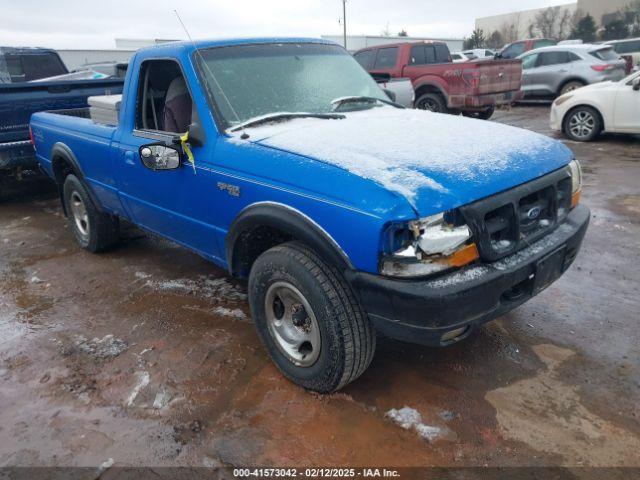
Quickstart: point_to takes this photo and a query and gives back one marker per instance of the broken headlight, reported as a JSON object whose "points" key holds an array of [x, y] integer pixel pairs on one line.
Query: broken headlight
{"points": [[427, 246], [575, 171]]}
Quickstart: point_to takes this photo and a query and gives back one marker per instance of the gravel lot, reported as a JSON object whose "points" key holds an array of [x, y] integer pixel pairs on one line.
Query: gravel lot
{"points": [[147, 356]]}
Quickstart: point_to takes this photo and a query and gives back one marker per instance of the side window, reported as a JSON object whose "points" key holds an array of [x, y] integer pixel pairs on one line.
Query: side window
{"points": [[164, 102], [442, 54], [387, 57], [553, 58], [365, 58], [429, 54], [14, 66], [513, 50], [488, 53], [417, 55], [574, 57], [529, 61], [543, 43]]}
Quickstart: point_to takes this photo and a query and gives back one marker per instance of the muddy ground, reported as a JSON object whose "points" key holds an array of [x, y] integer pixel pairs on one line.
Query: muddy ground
{"points": [[147, 356]]}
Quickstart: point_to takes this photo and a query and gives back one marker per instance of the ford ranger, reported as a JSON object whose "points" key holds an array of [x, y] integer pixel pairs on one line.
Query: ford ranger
{"points": [[282, 161]]}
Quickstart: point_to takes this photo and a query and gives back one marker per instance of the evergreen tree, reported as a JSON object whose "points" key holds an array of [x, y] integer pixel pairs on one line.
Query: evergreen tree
{"points": [[585, 29]]}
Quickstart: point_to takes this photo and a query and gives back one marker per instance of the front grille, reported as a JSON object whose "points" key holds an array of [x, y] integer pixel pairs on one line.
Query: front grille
{"points": [[509, 221]]}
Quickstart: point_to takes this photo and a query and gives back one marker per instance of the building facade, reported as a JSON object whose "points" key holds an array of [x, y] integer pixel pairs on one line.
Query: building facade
{"points": [[522, 24]]}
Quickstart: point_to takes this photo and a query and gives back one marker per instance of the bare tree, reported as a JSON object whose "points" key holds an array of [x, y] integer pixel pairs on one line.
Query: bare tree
{"points": [[546, 21], [565, 24], [386, 32]]}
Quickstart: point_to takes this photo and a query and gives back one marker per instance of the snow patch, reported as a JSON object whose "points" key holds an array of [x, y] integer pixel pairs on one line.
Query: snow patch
{"points": [[410, 419], [102, 348], [232, 313], [203, 286], [403, 149], [142, 381]]}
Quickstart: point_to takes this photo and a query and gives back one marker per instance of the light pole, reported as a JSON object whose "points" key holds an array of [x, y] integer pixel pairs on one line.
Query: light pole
{"points": [[344, 22]]}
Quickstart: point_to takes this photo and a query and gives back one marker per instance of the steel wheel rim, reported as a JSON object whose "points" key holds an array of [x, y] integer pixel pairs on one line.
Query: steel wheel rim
{"points": [[582, 124], [79, 212], [292, 324]]}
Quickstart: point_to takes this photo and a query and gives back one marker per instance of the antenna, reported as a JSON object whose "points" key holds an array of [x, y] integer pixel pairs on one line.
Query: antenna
{"points": [[245, 135]]}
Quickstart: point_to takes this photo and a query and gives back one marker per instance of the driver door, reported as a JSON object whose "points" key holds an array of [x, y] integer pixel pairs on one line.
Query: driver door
{"points": [[171, 202]]}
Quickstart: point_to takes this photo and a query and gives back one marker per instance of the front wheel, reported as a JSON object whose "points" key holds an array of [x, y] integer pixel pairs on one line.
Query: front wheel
{"points": [[95, 231], [582, 124], [482, 115], [308, 319]]}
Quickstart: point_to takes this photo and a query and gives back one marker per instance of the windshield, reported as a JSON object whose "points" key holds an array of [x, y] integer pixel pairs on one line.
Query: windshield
{"points": [[248, 81]]}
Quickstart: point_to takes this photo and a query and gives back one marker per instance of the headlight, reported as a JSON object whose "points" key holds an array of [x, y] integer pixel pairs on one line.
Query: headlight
{"points": [[427, 246], [576, 182]]}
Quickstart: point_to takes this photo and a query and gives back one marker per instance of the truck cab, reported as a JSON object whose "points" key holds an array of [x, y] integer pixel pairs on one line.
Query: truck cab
{"points": [[283, 162]]}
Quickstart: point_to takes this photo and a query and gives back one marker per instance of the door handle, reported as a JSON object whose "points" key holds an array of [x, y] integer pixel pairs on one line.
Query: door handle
{"points": [[128, 158]]}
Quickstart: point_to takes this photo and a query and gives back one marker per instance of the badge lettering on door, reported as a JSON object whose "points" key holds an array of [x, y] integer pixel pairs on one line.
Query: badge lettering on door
{"points": [[232, 190]]}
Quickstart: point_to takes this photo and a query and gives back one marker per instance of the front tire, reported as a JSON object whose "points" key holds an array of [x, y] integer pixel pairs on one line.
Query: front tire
{"points": [[483, 115], [582, 124], [95, 231], [308, 318]]}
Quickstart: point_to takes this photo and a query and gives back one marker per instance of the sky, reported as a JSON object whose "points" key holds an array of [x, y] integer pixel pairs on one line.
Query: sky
{"points": [[84, 24]]}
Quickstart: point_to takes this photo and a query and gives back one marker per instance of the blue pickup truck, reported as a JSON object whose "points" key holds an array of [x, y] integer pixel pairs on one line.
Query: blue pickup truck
{"points": [[282, 161]]}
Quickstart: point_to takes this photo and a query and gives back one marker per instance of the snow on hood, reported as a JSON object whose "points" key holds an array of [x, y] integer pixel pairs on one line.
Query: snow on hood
{"points": [[421, 155]]}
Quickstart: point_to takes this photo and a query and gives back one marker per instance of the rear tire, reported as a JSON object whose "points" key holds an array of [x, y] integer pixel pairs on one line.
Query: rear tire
{"points": [[571, 86], [95, 231], [582, 124], [432, 102], [308, 318]]}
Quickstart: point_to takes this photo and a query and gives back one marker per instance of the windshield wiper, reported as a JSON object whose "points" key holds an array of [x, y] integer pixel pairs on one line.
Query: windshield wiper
{"points": [[284, 116], [338, 102]]}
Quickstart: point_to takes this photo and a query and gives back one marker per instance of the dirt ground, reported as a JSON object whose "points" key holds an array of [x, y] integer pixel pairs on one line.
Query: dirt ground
{"points": [[147, 355]]}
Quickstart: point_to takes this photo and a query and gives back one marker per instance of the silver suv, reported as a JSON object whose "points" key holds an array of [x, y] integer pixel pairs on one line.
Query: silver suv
{"points": [[553, 71]]}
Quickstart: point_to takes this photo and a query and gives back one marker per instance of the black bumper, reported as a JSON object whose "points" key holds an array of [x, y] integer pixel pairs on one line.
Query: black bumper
{"points": [[422, 311]]}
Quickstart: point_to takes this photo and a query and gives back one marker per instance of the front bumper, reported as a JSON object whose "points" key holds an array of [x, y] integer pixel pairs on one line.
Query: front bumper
{"points": [[422, 311]]}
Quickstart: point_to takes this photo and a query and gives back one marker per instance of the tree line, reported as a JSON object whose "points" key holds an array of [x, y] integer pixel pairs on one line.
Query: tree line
{"points": [[563, 24]]}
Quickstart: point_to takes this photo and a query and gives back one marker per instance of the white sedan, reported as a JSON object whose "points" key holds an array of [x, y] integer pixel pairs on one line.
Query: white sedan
{"points": [[584, 113]]}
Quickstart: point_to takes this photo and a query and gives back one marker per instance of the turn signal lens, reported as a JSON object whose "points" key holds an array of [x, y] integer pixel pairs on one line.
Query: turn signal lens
{"points": [[464, 256], [575, 199]]}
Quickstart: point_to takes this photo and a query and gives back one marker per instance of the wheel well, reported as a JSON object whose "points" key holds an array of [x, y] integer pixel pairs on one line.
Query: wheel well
{"points": [[62, 167], [252, 243], [429, 89], [600, 117], [569, 80]]}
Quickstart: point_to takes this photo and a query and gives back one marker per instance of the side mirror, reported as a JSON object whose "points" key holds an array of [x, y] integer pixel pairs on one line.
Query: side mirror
{"points": [[636, 84], [159, 156]]}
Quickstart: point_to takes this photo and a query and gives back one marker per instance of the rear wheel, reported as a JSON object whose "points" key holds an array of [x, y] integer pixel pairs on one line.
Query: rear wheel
{"points": [[571, 86], [582, 124], [432, 102], [95, 231], [308, 318]]}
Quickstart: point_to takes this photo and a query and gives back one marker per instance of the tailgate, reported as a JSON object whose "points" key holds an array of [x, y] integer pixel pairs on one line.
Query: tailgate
{"points": [[19, 100], [494, 76]]}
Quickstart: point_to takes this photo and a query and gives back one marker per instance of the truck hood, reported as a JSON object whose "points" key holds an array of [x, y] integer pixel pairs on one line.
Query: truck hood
{"points": [[436, 161]]}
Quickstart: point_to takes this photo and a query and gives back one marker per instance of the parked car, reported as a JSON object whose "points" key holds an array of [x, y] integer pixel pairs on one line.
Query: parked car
{"points": [[479, 53], [603, 107], [459, 57], [23, 92], [399, 90], [346, 214], [628, 48], [553, 71], [515, 49], [473, 88]]}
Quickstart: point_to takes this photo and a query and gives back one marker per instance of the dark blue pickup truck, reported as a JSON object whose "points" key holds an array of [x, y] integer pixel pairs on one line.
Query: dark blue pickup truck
{"points": [[21, 95], [283, 162]]}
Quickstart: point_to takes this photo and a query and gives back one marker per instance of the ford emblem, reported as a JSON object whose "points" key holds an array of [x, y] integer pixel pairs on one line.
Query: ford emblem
{"points": [[533, 213]]}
